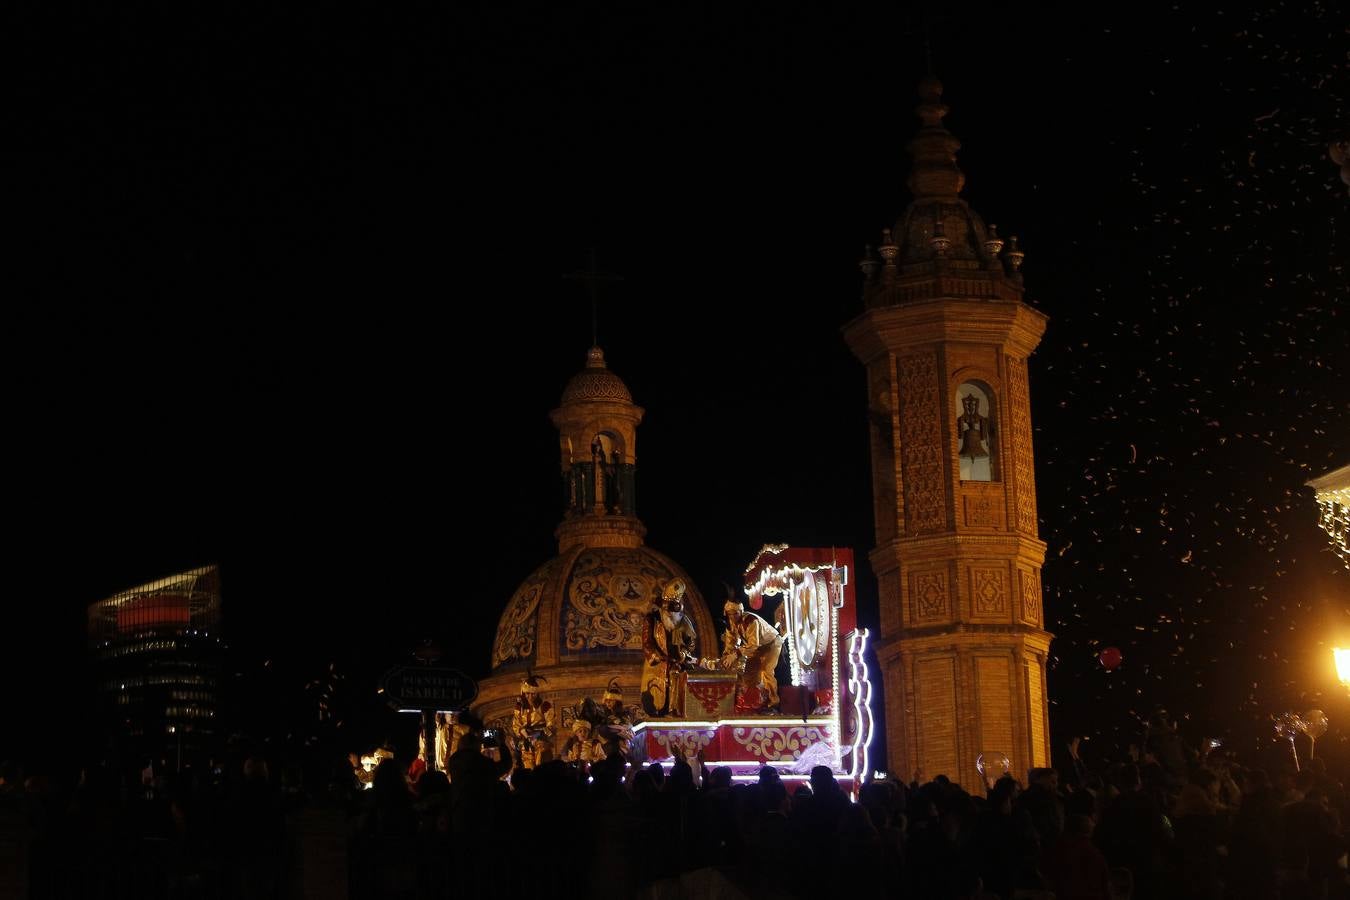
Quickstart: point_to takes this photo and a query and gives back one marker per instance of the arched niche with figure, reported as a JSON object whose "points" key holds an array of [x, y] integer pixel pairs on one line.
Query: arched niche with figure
{"points": [[976, 432], [612, 480]]}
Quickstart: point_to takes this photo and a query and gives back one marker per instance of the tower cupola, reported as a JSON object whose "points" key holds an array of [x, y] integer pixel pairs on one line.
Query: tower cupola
{"points": [[597, 439]]}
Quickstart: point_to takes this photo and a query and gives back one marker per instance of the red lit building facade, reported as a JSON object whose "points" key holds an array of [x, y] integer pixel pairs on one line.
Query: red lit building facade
{"points": [[156, 663]]}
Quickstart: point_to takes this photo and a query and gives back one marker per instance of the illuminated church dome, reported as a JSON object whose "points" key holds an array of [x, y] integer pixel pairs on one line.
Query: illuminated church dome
{"points": [[577, 620], [587, 603]]}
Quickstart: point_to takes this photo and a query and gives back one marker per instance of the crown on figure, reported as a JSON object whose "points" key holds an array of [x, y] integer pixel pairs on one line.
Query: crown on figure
{"points": [[613, 691], [530, 683], [732, 605]]}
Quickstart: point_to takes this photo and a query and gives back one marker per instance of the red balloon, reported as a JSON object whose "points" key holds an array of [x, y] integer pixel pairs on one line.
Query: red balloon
{"points": [[1110, 658]]}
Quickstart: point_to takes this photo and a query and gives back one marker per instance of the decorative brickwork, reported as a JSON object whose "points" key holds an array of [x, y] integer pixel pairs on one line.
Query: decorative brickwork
{"points": [[885, 433], [1030, 581], [989, 592], [923, 441], [1019, 404], [931, 603], [981, 510]]}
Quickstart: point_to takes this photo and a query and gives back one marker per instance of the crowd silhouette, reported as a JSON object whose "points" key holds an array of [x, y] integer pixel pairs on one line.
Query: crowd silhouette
{"points": [[1170, 823]]}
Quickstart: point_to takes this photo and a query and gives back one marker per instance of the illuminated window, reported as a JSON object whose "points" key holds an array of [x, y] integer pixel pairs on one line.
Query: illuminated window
{"points": [[976, 432]]}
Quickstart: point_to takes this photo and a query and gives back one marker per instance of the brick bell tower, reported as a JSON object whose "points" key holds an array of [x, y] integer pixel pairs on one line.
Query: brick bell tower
{"points": [[945, 338]]}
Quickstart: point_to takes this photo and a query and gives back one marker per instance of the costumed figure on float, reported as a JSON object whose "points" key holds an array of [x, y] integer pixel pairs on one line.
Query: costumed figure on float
{"points": [[611, 729], [450, 730], [668, 640], [364, 766], [731, 708], [750, 647], [533, 724], [580, 747]]}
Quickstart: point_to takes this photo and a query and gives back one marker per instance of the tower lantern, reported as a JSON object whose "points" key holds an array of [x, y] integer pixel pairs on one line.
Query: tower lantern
{"points": [[597, 431]]}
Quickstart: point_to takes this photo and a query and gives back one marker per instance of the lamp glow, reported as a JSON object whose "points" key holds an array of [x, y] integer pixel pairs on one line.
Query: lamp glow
{"points": [[1342, 657]]}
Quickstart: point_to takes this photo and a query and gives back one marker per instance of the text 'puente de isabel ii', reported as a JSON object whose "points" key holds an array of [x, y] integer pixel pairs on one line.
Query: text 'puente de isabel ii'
{"points": [[945, 337]]}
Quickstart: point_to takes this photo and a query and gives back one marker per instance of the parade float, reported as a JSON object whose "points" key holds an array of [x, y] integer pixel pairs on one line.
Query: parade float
{"points": [[729, 710]]}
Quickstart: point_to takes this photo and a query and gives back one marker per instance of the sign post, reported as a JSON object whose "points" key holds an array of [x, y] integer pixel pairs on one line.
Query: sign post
{"points": [[428, 690]]}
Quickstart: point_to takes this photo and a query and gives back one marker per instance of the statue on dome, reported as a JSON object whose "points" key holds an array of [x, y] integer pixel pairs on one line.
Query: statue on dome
{"points": [[614, 484], [750, 647], [533, 724], [599, 474], [668, 640]]}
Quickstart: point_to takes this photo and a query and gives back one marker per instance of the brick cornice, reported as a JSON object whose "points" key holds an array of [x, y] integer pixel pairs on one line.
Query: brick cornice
{"points": [[1009, 324]]}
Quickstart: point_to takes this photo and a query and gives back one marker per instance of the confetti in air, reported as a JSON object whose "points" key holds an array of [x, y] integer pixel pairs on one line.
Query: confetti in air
{"points": [[1223, 341]]}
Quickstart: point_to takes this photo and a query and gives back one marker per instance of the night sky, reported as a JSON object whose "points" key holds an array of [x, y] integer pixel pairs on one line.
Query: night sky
{"points": [[286, 294]]}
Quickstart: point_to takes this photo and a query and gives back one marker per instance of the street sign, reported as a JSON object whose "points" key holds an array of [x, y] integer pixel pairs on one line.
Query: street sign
{"points": [[428, 687]]}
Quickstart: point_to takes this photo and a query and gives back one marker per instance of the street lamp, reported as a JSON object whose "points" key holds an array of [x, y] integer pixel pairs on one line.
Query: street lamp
{"points": [[1343, 666]]}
